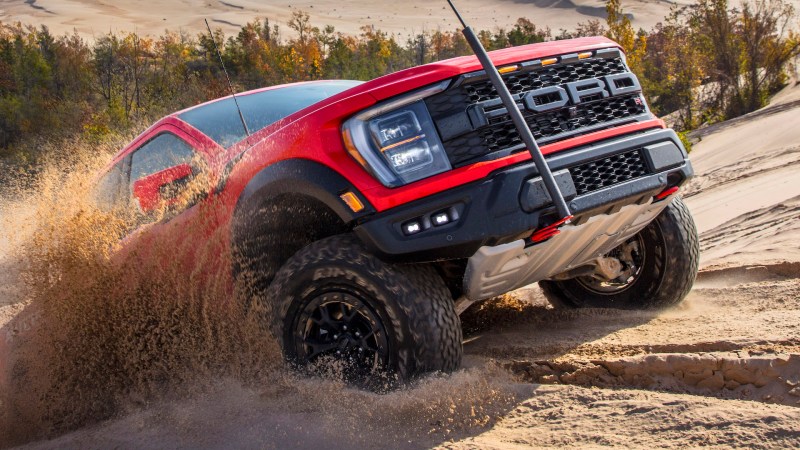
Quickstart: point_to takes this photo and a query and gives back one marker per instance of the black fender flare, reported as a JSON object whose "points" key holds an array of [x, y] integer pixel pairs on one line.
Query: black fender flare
{"points": [[303, 177]]}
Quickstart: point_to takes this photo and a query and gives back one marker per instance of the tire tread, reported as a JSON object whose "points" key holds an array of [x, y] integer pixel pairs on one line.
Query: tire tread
{"points": [[422, 307]]}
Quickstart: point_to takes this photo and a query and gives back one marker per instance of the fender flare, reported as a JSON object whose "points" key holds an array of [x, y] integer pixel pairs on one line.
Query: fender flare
{"points": [[303, 177]]}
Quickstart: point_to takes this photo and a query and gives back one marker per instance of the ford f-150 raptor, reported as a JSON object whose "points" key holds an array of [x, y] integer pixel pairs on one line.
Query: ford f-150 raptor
{"points": [[372, 213]]}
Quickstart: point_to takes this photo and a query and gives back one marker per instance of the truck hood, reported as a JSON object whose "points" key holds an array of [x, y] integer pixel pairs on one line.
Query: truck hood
{"points": [[396, 83]]}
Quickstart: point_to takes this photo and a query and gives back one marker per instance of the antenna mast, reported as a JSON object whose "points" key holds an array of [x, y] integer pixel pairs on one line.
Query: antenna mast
{"points": [[230, 85], [516, 117]]}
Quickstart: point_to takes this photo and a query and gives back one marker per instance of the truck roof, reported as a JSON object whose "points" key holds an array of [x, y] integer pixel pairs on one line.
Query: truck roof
{"points": [[220, 121]]}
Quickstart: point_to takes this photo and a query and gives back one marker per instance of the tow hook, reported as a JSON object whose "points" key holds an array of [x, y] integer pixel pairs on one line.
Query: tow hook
{"points": [[549, 231], [665, 193]]}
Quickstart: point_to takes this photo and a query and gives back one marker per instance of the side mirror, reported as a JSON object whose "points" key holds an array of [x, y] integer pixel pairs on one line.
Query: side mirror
{"points": [[163, 188]]}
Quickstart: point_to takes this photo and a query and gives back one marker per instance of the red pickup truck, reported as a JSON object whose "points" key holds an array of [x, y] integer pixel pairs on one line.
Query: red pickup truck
{"points": [[373, 213]]}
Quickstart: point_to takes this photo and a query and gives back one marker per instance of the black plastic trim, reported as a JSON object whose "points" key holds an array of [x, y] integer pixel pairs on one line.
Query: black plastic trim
{"points": [[663, 155], [600, 149], [535, 196], [301, 176], [491, 210]]}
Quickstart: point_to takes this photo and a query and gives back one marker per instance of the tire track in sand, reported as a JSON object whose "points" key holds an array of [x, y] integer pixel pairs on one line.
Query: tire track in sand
{"points": [[709, 347]]}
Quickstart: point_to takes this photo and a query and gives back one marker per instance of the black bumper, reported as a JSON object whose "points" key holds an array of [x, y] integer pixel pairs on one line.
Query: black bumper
{"points": [[511, 203]]}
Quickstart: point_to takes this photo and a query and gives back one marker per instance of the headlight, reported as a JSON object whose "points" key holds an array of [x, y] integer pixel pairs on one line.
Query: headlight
{"points": [[397, 142]]}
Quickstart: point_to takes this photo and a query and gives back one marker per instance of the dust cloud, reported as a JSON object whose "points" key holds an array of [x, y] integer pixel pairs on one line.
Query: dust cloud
{"points": [[152, 325], [106, 326]]}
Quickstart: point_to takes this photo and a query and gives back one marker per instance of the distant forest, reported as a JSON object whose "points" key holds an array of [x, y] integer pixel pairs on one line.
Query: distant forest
{"points": [[704, 63]]}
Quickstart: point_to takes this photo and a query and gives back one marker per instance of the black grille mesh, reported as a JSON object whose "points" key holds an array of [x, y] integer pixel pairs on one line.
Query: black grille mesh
{"points": [[500, 136], [504, 134], [549, 76], [608, 171], [546, 128]]}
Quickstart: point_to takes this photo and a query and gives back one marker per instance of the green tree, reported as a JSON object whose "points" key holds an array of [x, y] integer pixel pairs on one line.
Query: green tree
{"points": [[526, 32], [621, 31], [673, 71], [767, 47]]}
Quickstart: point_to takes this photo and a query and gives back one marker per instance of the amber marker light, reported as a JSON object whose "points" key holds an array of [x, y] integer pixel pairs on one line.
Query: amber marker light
{"points": [[549, 61], [508, 69], [352, 201], [584, 55], [351, 148]]}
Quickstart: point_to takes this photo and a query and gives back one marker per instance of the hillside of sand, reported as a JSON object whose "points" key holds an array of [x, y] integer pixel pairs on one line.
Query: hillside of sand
{"points": [[149, 17]]}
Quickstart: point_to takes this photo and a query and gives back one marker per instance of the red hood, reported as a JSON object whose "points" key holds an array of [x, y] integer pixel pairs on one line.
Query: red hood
{"points": [[399, 82], [381, 88], [406, 80]]}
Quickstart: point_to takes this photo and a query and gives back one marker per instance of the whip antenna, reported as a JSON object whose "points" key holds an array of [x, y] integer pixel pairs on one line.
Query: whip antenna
{"points": [[230, 85], [519, 121]]}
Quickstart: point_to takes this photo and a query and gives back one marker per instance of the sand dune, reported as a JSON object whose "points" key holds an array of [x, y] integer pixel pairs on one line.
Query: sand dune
{"points": [[746, 195], [93, 17]]}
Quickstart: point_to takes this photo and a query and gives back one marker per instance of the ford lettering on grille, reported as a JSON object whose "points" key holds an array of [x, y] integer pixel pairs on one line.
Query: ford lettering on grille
{"points": [[559, 101], [556, 97]]}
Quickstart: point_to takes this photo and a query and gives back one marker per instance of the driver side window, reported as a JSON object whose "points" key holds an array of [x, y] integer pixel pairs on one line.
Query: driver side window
{"points": [[160, 171]]}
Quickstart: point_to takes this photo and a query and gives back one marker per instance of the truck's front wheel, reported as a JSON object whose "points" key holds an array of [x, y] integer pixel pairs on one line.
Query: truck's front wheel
{"points": [[337, 305], [661, 264]]}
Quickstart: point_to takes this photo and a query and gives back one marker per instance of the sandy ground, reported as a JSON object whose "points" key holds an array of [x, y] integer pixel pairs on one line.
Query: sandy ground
{"points": [[722, 369], [94, 17], [735, 338]]}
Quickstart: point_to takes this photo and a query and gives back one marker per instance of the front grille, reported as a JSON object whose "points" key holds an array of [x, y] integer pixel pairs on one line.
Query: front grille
{"points": [[608, 171], [549, 76], [546, 127], [503, 134], [471, 143]]}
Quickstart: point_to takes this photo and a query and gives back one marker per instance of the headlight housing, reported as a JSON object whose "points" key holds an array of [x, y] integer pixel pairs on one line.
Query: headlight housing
{"points": [[397, 141]]}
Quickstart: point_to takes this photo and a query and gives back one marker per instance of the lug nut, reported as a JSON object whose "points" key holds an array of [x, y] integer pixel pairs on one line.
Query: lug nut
{"points": [[344, 327]]}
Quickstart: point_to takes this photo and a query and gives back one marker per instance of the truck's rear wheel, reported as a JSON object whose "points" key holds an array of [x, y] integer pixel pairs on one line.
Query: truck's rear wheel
{"points": [[661, 265], [334, 302]]}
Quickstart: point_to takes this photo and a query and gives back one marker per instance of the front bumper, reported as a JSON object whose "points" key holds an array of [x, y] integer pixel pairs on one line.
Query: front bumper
{"points": [[511, 204]]}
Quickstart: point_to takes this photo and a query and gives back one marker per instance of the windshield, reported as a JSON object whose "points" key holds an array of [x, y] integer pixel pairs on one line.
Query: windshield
{"points": [[220, 120]]}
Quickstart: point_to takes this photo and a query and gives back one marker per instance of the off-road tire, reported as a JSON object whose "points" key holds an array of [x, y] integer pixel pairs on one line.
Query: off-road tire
{"points": [[412, 302], [671, 260]]}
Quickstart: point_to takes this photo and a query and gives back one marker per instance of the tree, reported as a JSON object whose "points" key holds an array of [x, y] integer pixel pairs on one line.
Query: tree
{"points": [[766, 48], [526, 32], [621, 31], [305, 51], [673, 71]]}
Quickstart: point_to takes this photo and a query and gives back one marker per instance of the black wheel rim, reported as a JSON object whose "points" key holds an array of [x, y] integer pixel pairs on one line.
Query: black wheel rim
{"points": [[338, 329], [632, 255]]}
